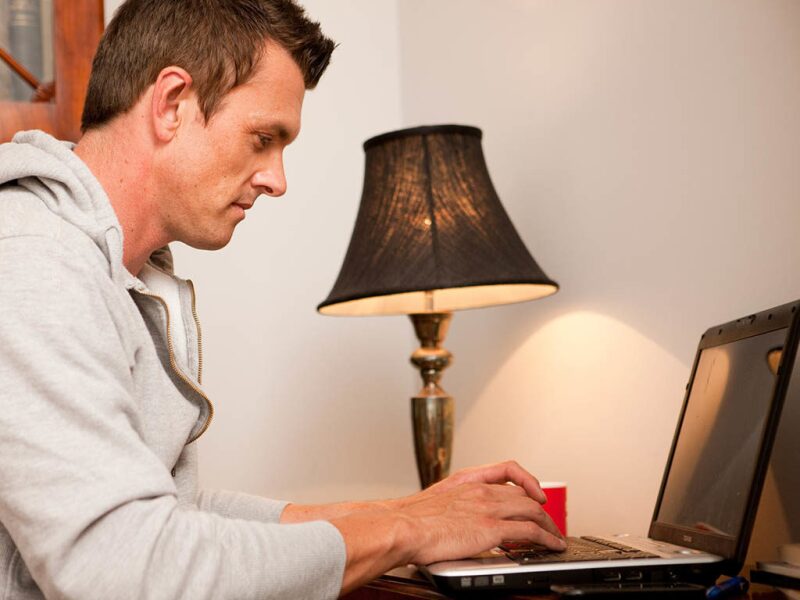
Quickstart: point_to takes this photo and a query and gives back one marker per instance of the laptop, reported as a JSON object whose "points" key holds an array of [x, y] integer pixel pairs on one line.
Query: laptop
{"points": [[711, 486]]}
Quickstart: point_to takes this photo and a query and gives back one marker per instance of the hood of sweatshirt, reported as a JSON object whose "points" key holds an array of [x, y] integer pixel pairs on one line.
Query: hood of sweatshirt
{"points": [[50, 169]]}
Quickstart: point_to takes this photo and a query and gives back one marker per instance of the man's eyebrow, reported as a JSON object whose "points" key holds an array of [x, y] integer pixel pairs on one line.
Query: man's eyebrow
{"points": [[283, 133]]}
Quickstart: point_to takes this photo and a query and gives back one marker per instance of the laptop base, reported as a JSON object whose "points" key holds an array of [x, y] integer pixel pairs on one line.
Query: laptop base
{"points": [[703, 574]]}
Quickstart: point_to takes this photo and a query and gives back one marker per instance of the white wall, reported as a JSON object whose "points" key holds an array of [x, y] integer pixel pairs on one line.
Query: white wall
{"points": [[647, 153]]}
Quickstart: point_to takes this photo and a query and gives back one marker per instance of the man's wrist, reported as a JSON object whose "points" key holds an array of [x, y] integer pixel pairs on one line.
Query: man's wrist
{"points": [[288, 514], [408, 537], [392, 504]]}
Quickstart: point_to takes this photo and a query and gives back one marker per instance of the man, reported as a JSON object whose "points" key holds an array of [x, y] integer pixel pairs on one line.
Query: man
{"points": [[189, 108]]}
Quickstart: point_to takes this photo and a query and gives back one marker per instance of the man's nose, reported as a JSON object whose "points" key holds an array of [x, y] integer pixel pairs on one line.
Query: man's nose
{"points": [[270, 178]]}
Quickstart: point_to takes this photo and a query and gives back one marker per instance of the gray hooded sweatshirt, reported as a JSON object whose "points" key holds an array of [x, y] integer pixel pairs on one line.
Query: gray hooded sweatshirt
{"points": [[100, 401]]}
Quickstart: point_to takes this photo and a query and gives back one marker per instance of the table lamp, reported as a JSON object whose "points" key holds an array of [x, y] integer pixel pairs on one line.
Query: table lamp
{"points": [[431, 237]]}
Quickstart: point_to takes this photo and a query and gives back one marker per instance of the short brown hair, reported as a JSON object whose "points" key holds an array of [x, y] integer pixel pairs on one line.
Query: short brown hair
{"points": [[218, 42]]}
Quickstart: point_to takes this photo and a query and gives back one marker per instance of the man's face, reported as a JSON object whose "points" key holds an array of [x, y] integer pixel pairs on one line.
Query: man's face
{"points": [[217, 169]]}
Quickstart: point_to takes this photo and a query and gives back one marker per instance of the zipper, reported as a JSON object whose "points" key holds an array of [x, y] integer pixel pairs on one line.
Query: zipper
{"points": [[199, 334], [174, 364]]}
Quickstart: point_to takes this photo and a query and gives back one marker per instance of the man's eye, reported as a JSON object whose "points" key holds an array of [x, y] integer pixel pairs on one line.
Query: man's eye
{"points": [[264, 140]]}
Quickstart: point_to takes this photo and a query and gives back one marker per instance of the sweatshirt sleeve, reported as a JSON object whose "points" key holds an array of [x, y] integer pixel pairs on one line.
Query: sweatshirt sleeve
{"points": [[239, 505], [93, 511]]}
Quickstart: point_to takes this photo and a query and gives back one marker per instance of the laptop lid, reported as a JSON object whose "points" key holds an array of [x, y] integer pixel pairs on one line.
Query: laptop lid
{"points": [[720, 453]]}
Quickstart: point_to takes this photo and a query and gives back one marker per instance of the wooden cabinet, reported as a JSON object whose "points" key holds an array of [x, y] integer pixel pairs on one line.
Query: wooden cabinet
{"points": [[77, 26]]}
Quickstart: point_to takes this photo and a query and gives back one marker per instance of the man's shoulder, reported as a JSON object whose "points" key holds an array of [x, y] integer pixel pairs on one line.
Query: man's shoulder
{"points": [[22, 213], [25, 220]]}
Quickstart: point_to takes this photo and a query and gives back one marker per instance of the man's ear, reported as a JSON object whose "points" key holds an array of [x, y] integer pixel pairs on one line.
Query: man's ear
{"points": [[171, 93]]}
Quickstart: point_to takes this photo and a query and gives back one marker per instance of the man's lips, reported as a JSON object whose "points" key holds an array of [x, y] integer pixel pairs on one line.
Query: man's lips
{"points": [[243, 205]]}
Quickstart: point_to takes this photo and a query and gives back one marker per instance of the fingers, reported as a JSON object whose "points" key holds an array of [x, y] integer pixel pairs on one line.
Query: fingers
{"points": [[473, 516], [524, 508], [509, 471], [519, 476], [504, 503], [527, 530], [546, 522]]}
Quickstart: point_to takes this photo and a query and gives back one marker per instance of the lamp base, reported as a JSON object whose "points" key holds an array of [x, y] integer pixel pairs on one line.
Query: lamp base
{"points": [[432, 408], [433, 436]]}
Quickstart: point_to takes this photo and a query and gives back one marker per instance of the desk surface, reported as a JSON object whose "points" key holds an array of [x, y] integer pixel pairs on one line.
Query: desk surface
{"points": [[407, 584]]}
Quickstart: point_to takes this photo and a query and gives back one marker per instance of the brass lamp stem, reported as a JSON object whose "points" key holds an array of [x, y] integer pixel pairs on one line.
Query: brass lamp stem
{"points": [[432, 407]]}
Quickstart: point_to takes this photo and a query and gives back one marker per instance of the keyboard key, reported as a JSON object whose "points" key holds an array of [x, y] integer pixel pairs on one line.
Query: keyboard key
{"points": [[578, 549]]}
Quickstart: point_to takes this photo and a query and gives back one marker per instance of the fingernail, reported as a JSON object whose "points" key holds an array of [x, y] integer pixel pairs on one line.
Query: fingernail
{"points": [[562, 544]]}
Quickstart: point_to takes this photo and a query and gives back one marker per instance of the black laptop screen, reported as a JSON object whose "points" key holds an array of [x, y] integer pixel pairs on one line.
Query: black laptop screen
{"points": [[716, 452]]}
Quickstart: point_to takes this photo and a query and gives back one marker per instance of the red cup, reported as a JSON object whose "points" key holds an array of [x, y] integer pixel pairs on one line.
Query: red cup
{"points": [[556, 505]]}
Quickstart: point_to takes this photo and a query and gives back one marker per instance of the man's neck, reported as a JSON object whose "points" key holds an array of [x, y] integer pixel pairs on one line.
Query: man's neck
{"points": [[115, 158]]}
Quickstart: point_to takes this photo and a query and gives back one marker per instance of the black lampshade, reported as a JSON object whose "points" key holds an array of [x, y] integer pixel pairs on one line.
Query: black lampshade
{"points": [[430, 221]]}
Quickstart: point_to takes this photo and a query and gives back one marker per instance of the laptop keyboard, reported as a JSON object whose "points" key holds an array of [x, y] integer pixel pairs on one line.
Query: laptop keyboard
{"points": [[578, 549]]}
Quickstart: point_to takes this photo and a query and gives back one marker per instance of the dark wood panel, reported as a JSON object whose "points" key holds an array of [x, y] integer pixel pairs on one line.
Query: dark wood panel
{"points": [[16, 116], [77, 27], [389, 589]]}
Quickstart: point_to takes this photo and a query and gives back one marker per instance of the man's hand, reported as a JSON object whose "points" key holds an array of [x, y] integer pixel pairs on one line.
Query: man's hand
{"points": [[506, 472], [474, 510], [474, 517], [467, 513]]}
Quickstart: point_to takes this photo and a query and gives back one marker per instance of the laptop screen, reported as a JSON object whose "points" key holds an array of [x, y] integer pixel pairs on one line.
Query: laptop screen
{"points": [[715, 456], [720, 453]]}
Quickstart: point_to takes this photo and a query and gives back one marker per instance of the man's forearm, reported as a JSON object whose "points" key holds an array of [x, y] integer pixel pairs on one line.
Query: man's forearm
{"points": [[376, 541], [375, 535], [302, 513]]}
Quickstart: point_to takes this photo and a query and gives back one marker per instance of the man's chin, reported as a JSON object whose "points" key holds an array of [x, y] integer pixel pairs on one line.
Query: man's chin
{"points": [[210, 243]]}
